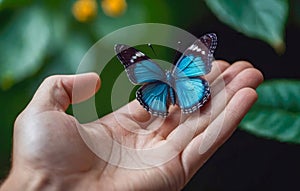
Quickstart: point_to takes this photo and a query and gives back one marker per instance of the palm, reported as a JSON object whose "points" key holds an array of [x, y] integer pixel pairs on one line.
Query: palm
{"points": [[129, 149]]}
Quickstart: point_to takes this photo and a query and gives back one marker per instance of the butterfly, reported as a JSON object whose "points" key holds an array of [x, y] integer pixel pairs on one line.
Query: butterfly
{"points": [[182, 85]]}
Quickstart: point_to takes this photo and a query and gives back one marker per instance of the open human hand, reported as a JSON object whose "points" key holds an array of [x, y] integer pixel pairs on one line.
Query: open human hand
{"points": [[128, 149]]}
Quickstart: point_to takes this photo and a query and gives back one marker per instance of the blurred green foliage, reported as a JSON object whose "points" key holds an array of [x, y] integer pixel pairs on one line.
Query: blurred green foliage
{"points": [[42, 38]]}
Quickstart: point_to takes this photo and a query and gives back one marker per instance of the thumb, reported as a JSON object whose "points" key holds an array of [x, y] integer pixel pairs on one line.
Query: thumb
{"points": [[59, 91]]}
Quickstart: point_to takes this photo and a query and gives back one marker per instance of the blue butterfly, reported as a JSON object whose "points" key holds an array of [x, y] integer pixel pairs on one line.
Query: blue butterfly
{"points": [[182, 85]]}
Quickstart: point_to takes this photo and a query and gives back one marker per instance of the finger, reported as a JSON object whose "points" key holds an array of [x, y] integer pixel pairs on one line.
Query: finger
{"points": [[222, 92], [228, 75], [237, 76], [59, 91], [197, 122], [218, 67], [249, 77], [204, 145]]}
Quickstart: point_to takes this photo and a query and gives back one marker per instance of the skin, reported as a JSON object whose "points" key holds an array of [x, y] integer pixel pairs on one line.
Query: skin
{"points": [[50, 154]]}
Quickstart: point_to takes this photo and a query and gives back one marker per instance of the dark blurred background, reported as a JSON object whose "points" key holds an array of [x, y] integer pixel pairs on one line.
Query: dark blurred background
{"points": [[245, 162]]}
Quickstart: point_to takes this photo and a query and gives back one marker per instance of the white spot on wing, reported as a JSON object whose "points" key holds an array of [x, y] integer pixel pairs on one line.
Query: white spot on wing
{"points": [[192, 47], [139, 54], [198, 49]]}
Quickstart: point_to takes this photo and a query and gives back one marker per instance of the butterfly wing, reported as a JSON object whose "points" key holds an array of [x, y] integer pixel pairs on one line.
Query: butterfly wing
{"points": [[196, 59], [154, 94], [154, 97], [191, 93], [140, 68]]}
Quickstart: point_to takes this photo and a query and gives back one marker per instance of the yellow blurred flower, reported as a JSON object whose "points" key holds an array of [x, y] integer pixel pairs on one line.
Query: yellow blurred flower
{"points": [[114, 8], [84, 10]]}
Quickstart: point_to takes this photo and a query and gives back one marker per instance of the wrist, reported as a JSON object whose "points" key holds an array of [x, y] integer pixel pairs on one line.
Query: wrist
{"points": [[35, 180], [25, 179]]}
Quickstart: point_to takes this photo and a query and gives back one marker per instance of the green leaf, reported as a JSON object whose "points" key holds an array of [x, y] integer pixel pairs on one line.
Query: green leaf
{"points": [[23, 43], [262, 19], [276, 114]]}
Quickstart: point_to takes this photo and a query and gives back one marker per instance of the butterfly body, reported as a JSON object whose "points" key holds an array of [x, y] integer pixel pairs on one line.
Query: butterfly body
{"points": [[183, 85]]}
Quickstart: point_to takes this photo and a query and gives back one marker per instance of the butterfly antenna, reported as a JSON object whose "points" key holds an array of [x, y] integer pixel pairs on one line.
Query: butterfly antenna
{"points": [[150, 45]]}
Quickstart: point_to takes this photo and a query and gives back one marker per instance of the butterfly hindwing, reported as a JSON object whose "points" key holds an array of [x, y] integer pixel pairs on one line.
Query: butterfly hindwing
{"points": [[155, 98], [196, 59], [140, 68], [191, 93]]}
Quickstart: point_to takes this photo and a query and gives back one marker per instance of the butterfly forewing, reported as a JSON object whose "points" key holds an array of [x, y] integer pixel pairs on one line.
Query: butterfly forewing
{"points": [[196, 59], [140, 68], [210, 41]]}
